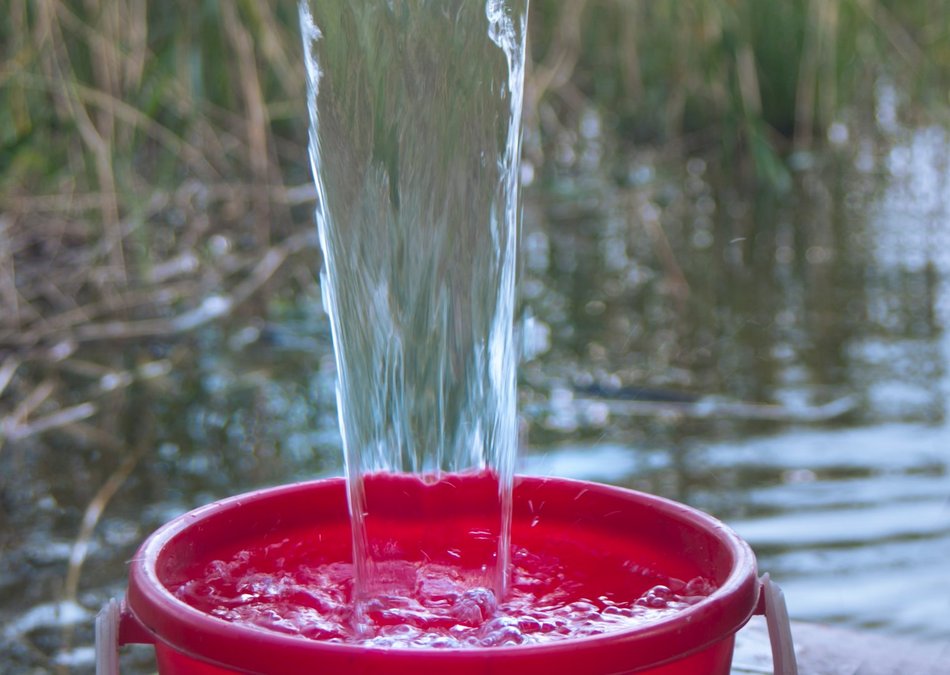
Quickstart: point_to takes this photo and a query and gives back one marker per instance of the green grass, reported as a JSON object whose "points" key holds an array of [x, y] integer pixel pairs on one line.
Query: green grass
{"points": [[744, 80], [121, 95]]}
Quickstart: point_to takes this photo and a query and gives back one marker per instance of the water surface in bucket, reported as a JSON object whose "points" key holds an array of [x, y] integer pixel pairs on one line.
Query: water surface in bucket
{"points": [[289, 586]]}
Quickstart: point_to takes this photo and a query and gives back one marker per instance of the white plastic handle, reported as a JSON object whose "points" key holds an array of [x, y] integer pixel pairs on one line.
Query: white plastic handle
{"points": [[780, 629], [107, 638]]}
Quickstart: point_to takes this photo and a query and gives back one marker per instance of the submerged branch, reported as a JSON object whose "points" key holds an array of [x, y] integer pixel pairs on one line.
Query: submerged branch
{"points": [[211, 308], [91, 517], [7, 371], [73, 325], [706, 408], [61, 418], [18, 425]]}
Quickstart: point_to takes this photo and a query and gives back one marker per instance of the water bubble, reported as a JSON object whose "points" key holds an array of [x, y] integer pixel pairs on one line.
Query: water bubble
{"points": [[528, 624], [657, 597], [445, 610], [475, 606], [698, 586]]}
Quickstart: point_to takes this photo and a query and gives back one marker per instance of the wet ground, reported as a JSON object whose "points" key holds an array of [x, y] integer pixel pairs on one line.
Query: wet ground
{"points": [[778, 361]]}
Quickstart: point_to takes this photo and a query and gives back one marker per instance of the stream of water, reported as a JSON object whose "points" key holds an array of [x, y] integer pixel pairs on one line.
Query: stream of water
{"points": [[415, 143]]}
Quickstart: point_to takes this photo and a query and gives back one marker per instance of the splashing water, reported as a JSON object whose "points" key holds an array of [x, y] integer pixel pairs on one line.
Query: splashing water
{"points": [[288, 586], [415, 138]]}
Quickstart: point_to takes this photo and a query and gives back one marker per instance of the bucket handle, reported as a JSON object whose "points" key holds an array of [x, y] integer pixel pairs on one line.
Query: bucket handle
{"points": [[107, 638], [116, 625], [779, 626]]}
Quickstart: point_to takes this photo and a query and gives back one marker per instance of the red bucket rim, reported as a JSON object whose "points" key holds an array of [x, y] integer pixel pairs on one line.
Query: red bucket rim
{"points": [[247, 648]]}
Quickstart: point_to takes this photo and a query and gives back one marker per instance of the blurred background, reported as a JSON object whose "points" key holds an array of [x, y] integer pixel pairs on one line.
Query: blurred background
{"points": [[735, 286]]}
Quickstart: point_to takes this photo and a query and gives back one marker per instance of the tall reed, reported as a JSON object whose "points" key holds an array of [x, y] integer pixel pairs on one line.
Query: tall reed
{"points": [[744, 78], [104, 102]]}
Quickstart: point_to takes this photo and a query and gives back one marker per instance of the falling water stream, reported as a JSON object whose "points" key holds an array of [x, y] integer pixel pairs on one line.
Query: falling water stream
{"points": [[415, 139]]}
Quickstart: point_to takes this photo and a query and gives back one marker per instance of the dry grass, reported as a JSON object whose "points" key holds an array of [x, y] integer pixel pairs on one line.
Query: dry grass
{"points": [[140, 197], [145, 149]]}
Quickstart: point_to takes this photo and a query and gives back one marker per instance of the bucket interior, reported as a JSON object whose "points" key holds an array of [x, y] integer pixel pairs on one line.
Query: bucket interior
{"points": [[613, 540]]}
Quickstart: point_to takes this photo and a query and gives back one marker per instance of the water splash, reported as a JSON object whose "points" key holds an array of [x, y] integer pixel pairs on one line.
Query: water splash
{"points": [[549, 601]]}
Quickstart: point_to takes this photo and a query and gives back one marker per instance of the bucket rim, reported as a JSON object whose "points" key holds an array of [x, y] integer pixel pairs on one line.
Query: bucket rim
{"points": [[203, 636]]}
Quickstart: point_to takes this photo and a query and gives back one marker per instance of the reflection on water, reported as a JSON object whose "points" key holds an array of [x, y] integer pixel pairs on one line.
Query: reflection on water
{"points": [[847, 293], [649, 285], [854, 522]]}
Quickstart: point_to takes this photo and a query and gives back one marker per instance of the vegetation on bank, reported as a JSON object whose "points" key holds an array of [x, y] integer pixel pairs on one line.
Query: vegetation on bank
{"points": [[744, 80], [153, 172]]}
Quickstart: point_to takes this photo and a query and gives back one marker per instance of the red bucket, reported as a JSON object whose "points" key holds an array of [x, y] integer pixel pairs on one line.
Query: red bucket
{"points": [[654, 532]]}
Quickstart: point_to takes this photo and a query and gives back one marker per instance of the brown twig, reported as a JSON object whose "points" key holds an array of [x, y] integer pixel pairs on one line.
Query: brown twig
{"points": [[90, 518], [34, 400], [561, 58], [257, 123], [676, 280], [7, 371], [168, 284], [96, 136], [15, 427], [60, 418], [293, 195], [9, 296], [61, 324], [211, 308], [131, 115]]}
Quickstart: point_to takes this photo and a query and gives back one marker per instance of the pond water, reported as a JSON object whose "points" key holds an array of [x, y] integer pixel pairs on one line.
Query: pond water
{"points": [[835, 311], [781, 363]]}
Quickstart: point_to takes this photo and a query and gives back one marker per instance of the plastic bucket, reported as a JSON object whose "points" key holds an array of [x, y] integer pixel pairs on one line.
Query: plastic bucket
{"points": [[656, 532]]}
